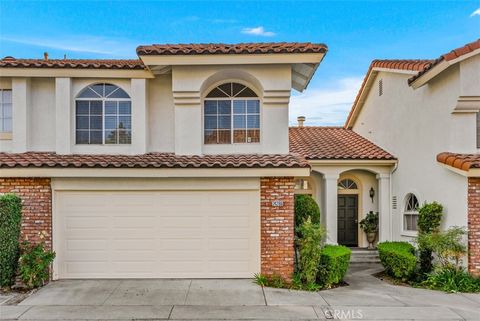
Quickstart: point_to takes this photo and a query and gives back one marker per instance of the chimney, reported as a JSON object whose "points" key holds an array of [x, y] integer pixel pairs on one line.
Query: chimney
{"points": [[300, 120], [45, 56], [65, 57]]}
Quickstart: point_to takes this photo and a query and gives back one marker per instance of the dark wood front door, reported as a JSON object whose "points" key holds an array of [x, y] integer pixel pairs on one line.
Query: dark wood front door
{"points": [[347, 220]]}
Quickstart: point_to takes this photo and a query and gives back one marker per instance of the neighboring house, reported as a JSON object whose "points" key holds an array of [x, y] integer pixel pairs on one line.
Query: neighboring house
{"points": [[422, 111]]}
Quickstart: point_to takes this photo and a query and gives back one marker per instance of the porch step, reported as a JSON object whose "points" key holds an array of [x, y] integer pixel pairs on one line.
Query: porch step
{"points": [[364, 256]]}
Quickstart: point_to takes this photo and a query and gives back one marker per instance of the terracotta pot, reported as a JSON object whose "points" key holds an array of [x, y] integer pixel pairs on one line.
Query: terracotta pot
{"points": [[371, 238]]}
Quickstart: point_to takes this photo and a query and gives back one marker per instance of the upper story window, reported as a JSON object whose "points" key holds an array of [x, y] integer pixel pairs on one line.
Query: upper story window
{"points": [[347, 184], [231, 115], [410, 215], [5, 110], [103, 115]]}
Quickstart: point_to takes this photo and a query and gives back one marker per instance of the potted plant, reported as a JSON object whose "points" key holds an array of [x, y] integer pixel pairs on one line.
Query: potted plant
{"points": [[370, 226]]}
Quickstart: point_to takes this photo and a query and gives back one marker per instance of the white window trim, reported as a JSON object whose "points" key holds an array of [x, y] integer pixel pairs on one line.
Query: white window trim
{"points": [[103, 99], [405, 232], [6, 135], [232, 99]]}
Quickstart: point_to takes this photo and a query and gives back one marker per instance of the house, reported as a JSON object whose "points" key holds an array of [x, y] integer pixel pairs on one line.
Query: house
{"points": [[425, 112], [175, 164], [181, 164]]}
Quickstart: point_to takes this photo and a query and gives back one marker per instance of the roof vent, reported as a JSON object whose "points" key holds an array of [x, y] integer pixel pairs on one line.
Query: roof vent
{"points": [[300, 120], [45, 56], [9, 58]]}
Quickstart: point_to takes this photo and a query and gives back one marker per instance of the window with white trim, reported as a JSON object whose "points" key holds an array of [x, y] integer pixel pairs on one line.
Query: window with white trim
{"points": [[347, 183], [410, 215], [231, 114], [5, 110], [103, 115]]}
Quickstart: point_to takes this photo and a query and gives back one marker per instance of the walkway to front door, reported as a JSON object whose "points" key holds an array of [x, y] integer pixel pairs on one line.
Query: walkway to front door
{"points": [[347, 220]]}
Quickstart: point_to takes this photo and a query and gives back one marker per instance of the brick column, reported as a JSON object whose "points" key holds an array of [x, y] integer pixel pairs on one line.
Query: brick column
{"points": [[474, 226], [36, 196], [277, 226]]}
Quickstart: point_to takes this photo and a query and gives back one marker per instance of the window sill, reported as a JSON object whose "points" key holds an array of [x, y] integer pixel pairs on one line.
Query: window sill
{"points": [[409, 233], [5, 136]]}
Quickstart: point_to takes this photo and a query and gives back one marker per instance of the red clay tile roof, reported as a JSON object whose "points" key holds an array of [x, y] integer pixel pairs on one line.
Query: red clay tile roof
{"points": [[454, 54], [239, 48], [324, 143], [398, 64], [460, 161], [10, 62], [150, 160]]}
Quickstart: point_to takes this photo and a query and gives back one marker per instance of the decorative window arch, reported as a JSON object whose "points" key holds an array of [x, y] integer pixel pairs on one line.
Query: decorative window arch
{"points": [[347, 183], [103, 115], [231, 115], [410, 214]]}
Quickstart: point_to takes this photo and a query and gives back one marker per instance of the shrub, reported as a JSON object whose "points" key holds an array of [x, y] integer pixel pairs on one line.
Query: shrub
{"points": [[450, 279], [449, 246], [370, 223], [305, 207], [274, 281], [430, 216], [10, 218], [310, 250], [398, 259], [333, 264], [34, 264]]}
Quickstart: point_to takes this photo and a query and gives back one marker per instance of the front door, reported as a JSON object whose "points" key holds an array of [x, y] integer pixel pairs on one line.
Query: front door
{"points": [[347, 220]]}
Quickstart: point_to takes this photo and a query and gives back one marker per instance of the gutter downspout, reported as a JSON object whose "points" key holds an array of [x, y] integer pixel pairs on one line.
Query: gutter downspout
{"points": [[391, 196]]}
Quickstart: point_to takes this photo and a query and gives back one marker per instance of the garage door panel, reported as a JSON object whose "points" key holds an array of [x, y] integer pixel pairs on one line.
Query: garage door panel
{"points": [[86, 244], [151, 234]]}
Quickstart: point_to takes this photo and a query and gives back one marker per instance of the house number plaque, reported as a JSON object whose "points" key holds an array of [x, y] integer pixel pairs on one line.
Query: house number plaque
{"points": [[277, 203]]}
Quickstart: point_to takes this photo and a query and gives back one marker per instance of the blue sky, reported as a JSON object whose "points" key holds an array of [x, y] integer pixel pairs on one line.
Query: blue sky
{"points": [[356, 32]]}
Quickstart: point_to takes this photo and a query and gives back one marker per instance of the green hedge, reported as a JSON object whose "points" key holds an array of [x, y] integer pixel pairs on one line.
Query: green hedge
{"points": [[333, 265], [398, 259], [10, 217]]}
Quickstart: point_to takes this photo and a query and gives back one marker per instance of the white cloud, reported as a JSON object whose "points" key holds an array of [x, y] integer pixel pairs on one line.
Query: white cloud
{"points": [[258, 31], [82, 44], [475, 13], [325, 106]]}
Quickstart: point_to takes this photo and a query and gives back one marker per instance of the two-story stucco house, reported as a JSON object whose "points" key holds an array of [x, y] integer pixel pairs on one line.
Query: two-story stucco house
{"points": [[423, 111], [181, 163]]}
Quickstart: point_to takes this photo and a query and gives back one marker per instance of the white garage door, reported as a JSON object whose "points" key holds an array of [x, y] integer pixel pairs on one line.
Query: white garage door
{"points": [[157, 234]]}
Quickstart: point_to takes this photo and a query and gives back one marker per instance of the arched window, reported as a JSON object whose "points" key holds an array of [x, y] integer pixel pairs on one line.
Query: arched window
{"points": [[231, 115], [347, 183], [410, 215], [103, 115]]}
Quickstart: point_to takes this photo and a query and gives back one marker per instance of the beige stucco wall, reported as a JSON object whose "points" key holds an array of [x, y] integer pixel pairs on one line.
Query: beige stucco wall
{"points": [[167, 113], [416, 125]]}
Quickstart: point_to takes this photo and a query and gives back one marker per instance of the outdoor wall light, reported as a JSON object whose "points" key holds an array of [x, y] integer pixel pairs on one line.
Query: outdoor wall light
{"points": [[372, 193]]}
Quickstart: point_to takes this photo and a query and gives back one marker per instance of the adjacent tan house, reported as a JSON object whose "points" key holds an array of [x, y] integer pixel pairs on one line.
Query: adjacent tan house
{"points": [[181, 163], [424, 111]]}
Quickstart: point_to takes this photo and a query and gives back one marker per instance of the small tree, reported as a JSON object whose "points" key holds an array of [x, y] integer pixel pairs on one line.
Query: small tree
{"points": [[305, 207], [310, 250], [10, 217], [448, 246], [430, 216]]}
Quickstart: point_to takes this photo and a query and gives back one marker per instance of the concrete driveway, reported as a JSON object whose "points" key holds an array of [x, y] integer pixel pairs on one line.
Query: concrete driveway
{"points": [[367, 298]]}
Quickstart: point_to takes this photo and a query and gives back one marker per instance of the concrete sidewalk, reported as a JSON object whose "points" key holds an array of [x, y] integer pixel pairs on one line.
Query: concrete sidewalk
{"points": [[367, 298]]}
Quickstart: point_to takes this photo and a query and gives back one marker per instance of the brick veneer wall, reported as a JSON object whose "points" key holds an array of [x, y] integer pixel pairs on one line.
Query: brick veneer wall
{"points": [[36, 196], [474, 226], [277, 226]]}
